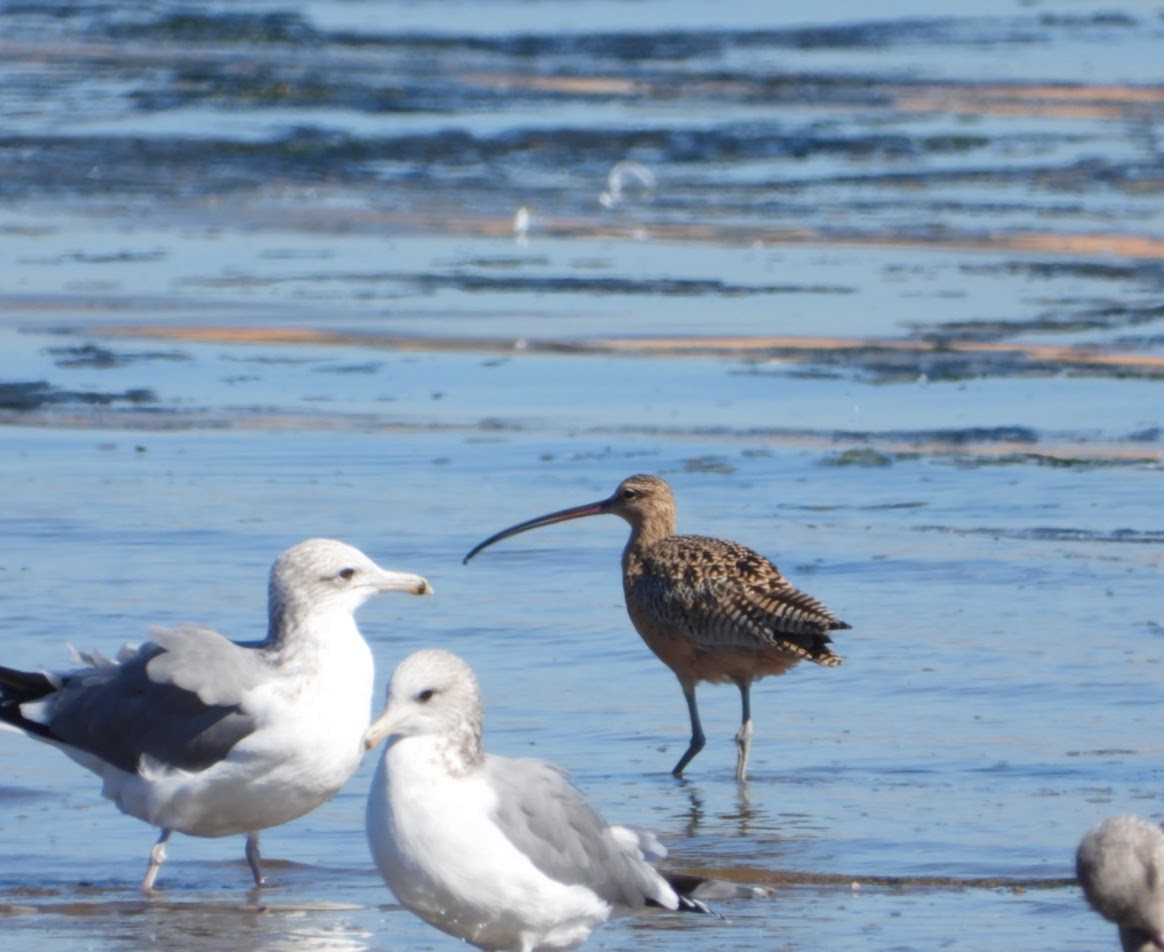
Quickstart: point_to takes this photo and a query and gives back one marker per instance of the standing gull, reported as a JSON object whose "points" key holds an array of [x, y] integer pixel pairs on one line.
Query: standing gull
{"points": [[209, 737], [502, 853], [1120, 865], [710, 610]]}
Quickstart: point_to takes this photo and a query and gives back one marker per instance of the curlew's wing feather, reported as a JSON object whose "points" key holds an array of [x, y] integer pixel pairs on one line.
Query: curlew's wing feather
{"points": [[726, 595]]}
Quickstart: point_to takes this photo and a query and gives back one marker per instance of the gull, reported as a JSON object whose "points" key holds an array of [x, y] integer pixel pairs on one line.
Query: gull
{"points": [[521, 223], [709, 609], [209, 737], [503, 853], [1120, 865]]}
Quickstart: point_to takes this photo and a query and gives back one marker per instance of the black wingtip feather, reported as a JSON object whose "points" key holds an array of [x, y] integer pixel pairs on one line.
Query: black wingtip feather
{"points": [[687, 904], [21, 686], [684, 885]]}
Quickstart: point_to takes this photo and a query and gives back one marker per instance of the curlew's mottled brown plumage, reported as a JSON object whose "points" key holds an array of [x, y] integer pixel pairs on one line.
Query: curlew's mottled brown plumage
{"points": [[710, 610]]}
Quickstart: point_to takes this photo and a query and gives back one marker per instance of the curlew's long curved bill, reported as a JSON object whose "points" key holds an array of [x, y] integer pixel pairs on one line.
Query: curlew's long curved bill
{"points": [[562, 515]]}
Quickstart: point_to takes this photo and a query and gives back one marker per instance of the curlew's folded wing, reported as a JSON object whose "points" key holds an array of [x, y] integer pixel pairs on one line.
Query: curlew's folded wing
{"points": [[722, 594]]}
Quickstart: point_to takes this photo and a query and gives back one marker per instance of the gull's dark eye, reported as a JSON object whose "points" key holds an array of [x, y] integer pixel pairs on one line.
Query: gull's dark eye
{"points": [[426, 695], [347, 574]]}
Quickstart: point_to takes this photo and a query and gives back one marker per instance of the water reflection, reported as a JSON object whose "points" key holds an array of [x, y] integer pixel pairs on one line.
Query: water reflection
{"points": [[745, 812], [694, 816], [738, 822], [199, 922]]}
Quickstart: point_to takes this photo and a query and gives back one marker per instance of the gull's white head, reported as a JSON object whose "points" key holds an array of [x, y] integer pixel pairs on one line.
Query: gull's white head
{"points": [[322, 575], [433, 693]]}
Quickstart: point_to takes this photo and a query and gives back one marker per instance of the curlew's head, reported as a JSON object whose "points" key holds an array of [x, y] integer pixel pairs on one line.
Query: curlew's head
{"points": [[646, 502]]}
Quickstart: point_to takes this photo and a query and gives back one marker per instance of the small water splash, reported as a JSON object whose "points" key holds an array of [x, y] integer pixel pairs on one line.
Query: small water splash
{"points": [[625, 179]]}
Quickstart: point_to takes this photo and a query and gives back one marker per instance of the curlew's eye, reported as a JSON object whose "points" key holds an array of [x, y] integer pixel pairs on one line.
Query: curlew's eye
{"points": [[347, 574], [426, 695], [628, 494]]}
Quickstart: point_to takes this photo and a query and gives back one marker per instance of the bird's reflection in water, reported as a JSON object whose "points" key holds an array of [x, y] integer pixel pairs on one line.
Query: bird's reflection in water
{"points": [[744, 816], [197, 921], [745, 813], [694, 809]]}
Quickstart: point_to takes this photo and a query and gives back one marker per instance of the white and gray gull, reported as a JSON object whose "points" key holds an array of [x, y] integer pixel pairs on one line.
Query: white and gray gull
{"points": [[503, 853], [1120, 865], [195, 733]]}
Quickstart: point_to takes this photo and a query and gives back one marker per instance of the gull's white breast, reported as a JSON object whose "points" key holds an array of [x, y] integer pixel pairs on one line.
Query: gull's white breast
{"points": [[438, 848]]}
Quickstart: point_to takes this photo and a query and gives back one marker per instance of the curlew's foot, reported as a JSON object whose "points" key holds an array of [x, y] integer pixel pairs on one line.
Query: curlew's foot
{"points": [[744, 745], [693, 748]]}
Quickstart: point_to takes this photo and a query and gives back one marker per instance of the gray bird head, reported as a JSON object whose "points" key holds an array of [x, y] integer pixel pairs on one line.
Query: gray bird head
{"points": [[1120, 865]]}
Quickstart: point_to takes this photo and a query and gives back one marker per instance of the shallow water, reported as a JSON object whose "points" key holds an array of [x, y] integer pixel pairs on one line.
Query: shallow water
{"points": [[890, 315]]}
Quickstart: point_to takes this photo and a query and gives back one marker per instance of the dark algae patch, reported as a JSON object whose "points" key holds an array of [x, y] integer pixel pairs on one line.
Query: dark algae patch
{"points": [[38, 395], [103, 358]]}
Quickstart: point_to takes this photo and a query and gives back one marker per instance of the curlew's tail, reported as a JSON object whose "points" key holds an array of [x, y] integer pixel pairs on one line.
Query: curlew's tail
{"points": [[814, 646]]}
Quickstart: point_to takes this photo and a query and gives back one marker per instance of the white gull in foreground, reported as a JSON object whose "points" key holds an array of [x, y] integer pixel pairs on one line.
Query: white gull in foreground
{"points": [[1120, 865], [195, 733], [502, 853]]}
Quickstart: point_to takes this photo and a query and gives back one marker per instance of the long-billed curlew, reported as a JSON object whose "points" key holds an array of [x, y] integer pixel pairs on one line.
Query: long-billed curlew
{"points": [[501, 852], [711, 610], [209, 737]]}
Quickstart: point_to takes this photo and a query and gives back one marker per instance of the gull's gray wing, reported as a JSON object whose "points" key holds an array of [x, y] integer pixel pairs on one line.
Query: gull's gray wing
{"points": [[177, 700], [549, 820]]}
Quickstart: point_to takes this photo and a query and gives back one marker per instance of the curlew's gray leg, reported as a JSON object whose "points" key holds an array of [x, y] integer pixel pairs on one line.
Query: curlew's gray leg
{"points": [[254, 860], [697, 738], [157, 857], [744, 735]]}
